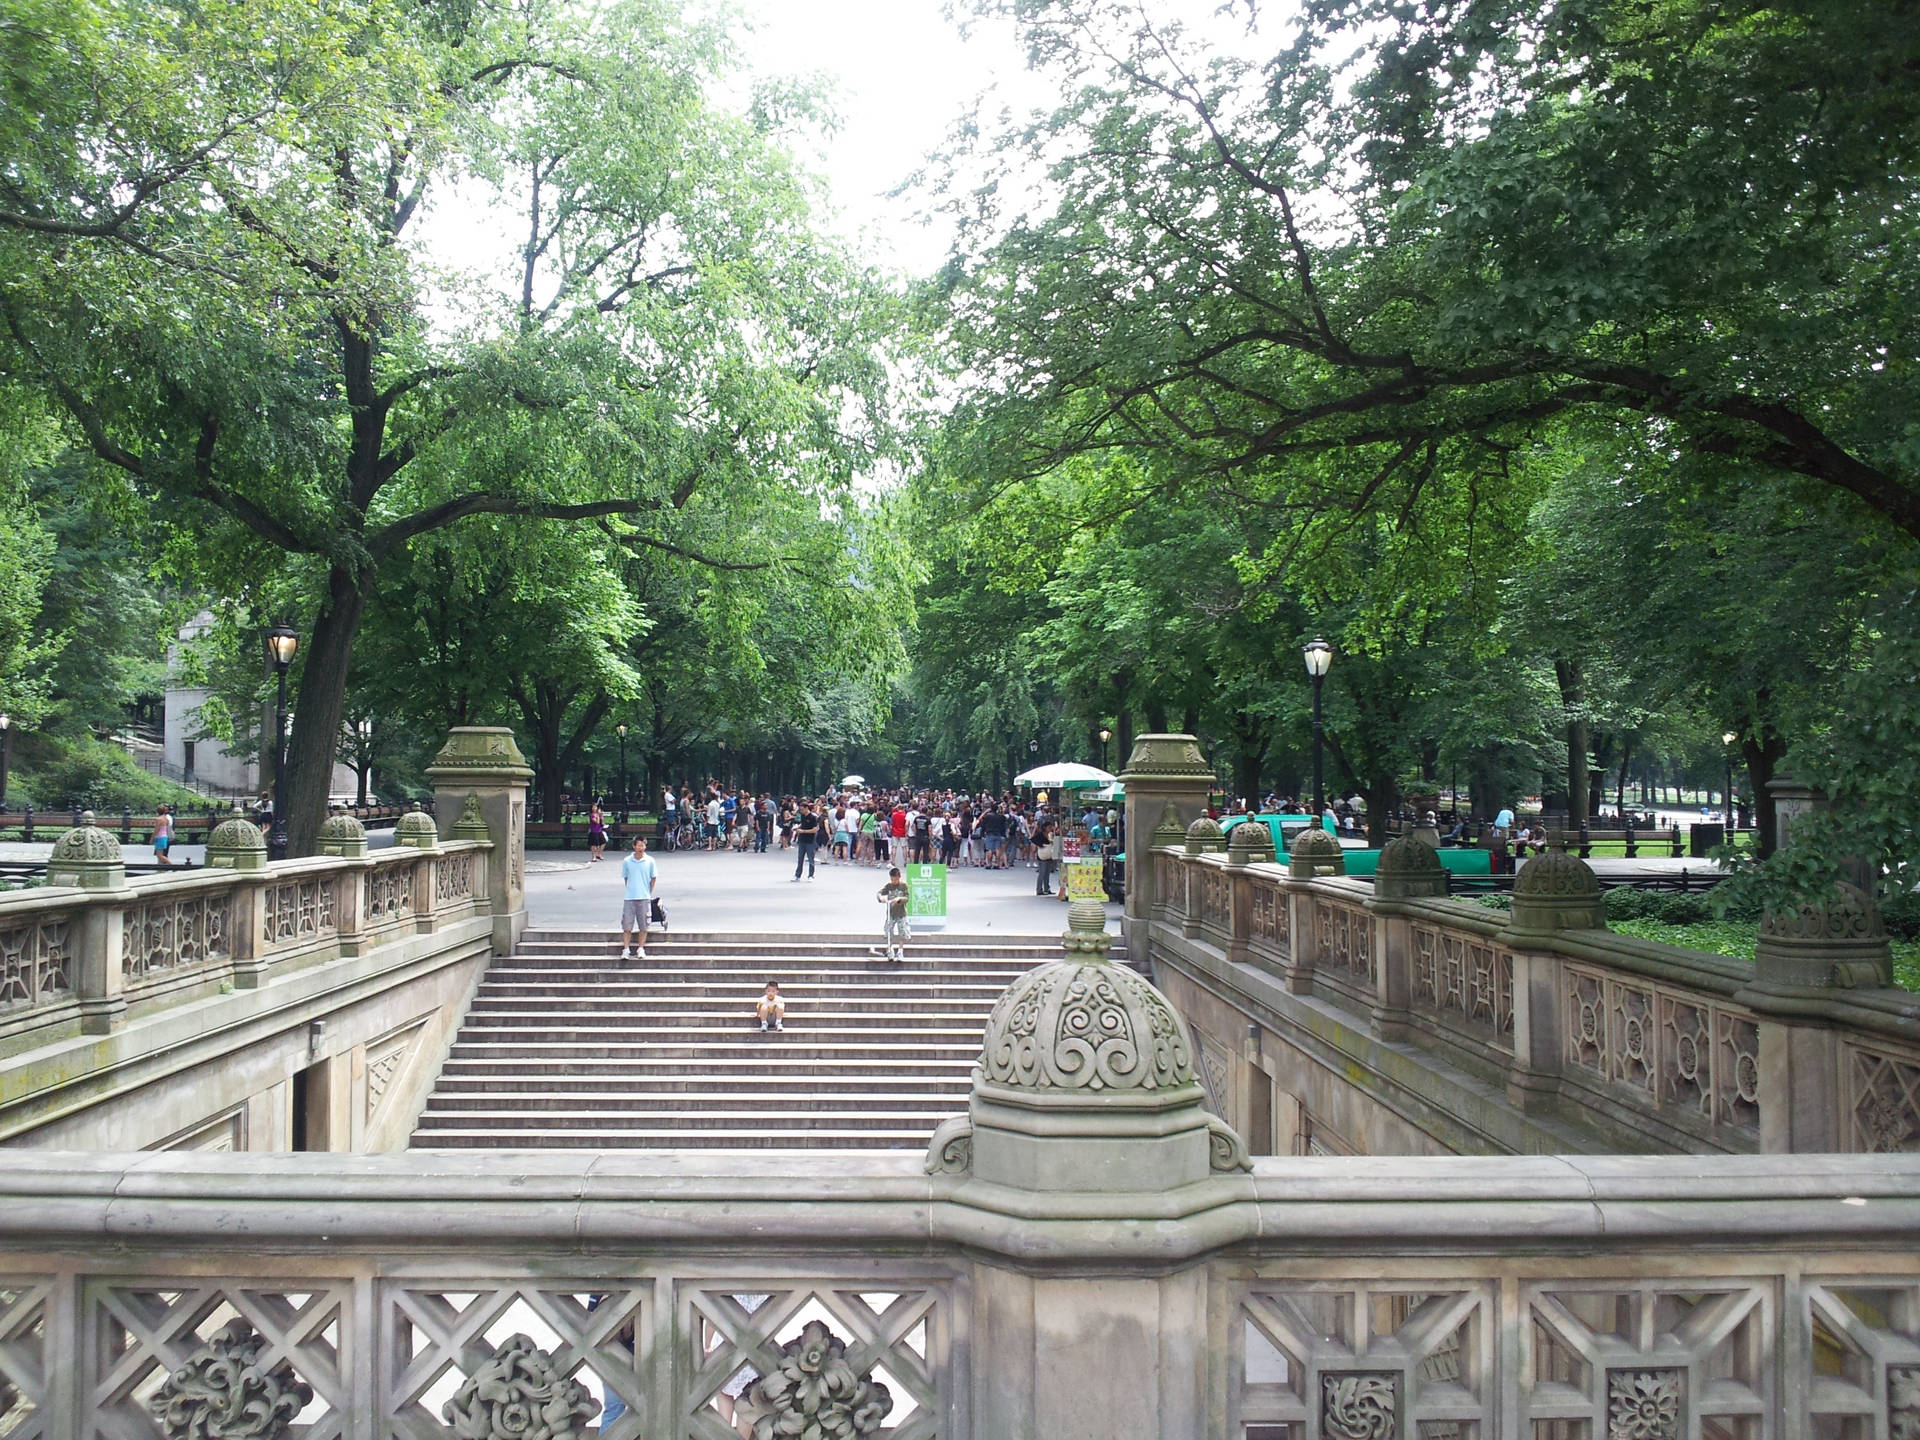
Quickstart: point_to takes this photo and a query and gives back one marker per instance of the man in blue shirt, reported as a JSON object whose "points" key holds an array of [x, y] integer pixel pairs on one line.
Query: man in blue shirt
{"points": [[641, 878]]}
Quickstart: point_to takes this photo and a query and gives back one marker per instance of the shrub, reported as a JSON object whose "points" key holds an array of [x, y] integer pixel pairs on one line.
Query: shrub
{"points": [[1497, 901], [1683, 909], [1902, 914], [1626, 903]]}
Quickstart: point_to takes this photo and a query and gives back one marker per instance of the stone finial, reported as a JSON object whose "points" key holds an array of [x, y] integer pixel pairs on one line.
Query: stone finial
{"points": [[1314, 852], [225, 1389], [341, 834], [1839, 942], [1250, 843], [1169, 834], [88, 857], [1085, 1081], [1166, 757], [416, 831], [472, 825], [473, 750], [520, 1394], [1409, 868], [236, 844], [1205, 837], [1557, 891]]}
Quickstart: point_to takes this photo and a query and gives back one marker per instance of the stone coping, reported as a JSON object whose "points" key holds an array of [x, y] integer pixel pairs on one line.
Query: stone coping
{"points": [[583, 1202]]}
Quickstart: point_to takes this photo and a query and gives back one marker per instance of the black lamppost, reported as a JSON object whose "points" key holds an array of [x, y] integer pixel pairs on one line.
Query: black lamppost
{"points": [[282, 641], [1318, 655], [1733, 814], [1105, 735], [621, 731]]}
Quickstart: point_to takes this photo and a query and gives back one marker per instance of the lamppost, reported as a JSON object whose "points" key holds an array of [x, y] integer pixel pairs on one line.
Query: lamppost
{"points": [[1733, 814], [1318, 655], [6, 753], [282, 641], [621, 731], [1105, 735]]}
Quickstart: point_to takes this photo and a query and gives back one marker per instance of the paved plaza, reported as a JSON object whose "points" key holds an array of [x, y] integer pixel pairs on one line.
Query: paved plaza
{"points": [[707, 891]]}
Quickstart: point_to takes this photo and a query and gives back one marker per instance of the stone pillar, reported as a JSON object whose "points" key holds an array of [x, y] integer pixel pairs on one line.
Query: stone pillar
{"points": [[1409, 868], [1163, 771], [482, 762], [88, 858], [1552, 892], [1079, 1127], [238, 845]]}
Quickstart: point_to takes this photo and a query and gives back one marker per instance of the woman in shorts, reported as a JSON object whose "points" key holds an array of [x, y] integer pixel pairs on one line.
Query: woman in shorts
{"points": [[163, 836], [596, 833]]}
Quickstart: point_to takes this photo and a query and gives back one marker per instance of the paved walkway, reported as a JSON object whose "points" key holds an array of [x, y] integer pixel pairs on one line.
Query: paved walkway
{"points": [[719, 890]]}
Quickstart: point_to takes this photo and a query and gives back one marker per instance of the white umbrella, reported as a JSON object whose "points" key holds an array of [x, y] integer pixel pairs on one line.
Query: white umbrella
{"points": [[1065, 776], [1115, 791], [853, 779]]}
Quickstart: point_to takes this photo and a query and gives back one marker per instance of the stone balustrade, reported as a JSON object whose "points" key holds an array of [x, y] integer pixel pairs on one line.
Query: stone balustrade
{"points": [[1311, 1299]]}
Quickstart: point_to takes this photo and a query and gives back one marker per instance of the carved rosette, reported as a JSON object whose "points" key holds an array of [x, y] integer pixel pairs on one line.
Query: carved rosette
{"points": [[1359, 1405], [1643, 1405], [519, 1395], [814, 1394], [223, 1391]]}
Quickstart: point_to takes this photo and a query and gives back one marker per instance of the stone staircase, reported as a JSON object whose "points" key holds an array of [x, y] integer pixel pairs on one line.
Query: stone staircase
{"points": [[565, 1046]]}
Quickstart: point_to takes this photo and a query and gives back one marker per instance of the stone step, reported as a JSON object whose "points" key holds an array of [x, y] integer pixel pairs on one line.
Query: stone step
{"points": [[514, 1069], [673, 1139], [564, 1053], [496, 994], [719, 1105], [682, 1082], [643, 1118], [874, 1014]]}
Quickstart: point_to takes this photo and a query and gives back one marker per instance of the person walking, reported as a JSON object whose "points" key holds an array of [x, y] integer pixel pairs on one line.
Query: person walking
{"points": [[163, 836], [806, 839], [1043, 852], [596, 833], [893, 895], [641, 878]]}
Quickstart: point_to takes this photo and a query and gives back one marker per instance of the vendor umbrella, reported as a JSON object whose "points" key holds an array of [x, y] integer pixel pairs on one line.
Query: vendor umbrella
{"points": [[853, 779], [1067, 775]]}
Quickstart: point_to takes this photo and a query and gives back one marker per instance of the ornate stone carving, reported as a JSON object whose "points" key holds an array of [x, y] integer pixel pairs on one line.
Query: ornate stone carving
{"points": [[1903, 1402], [1085, 1026], [1250, 843], [1848, 914], [1205, 837], [1226, 1151], [341, 834], [950, 1152], [1314, 852], [1840, 942], [452, 879], [172, 934], [1643, 1405], [814, 1394], [1166, 757], [415, 830], [298, 910], [487, 748], [387, 893], [1359, 1405], [1169, 833], [35, 961], [472, 825], [88, 857], [1557, 891], [1886, 1102], [1409, 867], [222, 1393], [236, 844], [519, 1395]]}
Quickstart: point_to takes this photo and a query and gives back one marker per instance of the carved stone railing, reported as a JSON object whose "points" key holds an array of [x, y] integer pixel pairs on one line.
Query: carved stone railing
{"points": [[487, 1295], [1537, 1034]]}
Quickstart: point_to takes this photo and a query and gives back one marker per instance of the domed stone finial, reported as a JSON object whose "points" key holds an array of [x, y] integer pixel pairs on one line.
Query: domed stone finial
{"points": [[1839, 942], [88, 857], [1169, 834], [416, 831], [1250, 843], [1314, 852], [236, 844], [472, 824], [341, 834], [1205, 837], [1086, 1082], [1409, 868], [1557, 891]]}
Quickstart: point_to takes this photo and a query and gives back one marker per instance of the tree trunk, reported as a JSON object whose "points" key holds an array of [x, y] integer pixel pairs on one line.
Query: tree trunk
{"points": [[1573, 702], [322, 700], [1626, 762], [1763, 757]]}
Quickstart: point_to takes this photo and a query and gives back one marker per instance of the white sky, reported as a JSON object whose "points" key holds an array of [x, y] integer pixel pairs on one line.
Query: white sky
{"points": [[902, 75]]}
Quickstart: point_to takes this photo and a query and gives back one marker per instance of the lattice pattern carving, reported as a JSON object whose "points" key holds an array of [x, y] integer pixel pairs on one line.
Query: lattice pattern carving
{"points": [[1649, 1360], [1267, 919], [153, 1333], [1866, 1354], [437, 1339], [298, 911], [166, 935], [1680, 1049], [36, 966], [1884, 1094], [452, 879], [1346, 938], [1465, 975], [1214, 899], [1170, 884], [1366, 1362], [387, 893], [23, 1358], [736, 1334], [517, 843]]}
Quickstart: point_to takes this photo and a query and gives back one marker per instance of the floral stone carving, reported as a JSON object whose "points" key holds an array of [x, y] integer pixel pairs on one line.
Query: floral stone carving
{"points": [[222, 1391], [814, 1394], [1643, 1405], [1086, 1025], [519, 1395], [1359, 1405], [1903, 1402]]}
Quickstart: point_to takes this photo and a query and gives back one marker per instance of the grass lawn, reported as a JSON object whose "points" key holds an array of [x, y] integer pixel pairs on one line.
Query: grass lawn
{"points": [[1728, 937]]}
